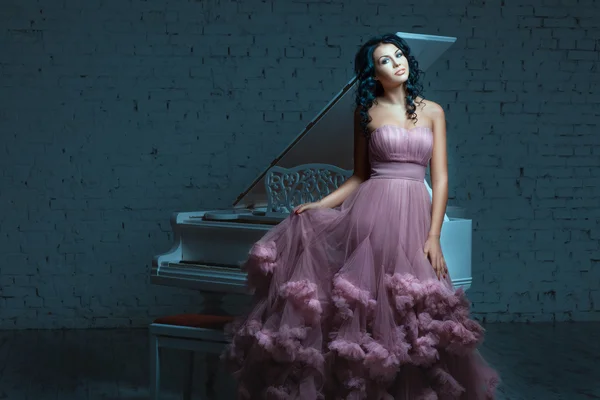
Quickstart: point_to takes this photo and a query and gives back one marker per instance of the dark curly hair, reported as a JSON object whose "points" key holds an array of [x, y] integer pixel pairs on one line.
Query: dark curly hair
{"points": [[368, 88]]}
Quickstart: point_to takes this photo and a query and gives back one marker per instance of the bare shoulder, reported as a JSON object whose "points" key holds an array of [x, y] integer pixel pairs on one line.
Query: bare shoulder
{"points": [[430, 109]]}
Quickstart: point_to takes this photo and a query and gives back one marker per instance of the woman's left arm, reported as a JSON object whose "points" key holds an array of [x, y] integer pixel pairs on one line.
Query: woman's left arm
{"points": [[439, 170]]}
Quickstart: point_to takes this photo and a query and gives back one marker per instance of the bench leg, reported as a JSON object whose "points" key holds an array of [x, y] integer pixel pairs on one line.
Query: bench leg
{"points": [[212, 367], [154, 367], [187, 388]]}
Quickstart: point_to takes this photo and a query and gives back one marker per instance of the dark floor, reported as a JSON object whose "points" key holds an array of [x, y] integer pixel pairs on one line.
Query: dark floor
{"points": [[536, 361]]}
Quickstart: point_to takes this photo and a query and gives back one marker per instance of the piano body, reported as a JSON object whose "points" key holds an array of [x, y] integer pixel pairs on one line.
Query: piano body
{"points": [[210, 245]]}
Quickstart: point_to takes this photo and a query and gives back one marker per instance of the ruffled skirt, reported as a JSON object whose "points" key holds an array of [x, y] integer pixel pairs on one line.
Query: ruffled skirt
{"points": [[347, 306]]}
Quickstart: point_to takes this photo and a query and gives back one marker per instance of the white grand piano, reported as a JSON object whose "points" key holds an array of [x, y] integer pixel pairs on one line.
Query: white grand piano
{"points": [[210, 245]]}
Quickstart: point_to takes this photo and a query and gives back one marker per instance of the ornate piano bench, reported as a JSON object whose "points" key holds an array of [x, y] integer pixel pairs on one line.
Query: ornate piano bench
{"points": [[191, 332]]}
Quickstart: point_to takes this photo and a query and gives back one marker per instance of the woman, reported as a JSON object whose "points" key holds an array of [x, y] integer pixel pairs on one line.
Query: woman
{"points": [[353, 297]]}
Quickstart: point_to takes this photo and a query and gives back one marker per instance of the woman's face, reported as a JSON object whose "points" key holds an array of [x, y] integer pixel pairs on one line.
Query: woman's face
{"points": [[391, 66]]}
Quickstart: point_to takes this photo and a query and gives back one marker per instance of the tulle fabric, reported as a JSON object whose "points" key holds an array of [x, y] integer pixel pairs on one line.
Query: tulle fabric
{"points": [[347, 305]]}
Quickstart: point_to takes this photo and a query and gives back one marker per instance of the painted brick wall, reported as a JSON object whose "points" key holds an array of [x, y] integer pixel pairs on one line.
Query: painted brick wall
{"points": [[114, 113]]}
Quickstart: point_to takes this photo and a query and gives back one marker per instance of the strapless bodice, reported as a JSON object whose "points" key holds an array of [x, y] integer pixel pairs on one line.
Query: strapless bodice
{"points": [[395, 151]]}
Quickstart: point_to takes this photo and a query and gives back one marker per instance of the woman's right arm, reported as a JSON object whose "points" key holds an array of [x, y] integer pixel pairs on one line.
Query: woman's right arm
{"points": [[361, 168]]}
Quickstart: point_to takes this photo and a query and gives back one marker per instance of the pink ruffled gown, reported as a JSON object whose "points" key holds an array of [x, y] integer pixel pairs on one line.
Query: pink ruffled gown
{"points": [[347, 304]]}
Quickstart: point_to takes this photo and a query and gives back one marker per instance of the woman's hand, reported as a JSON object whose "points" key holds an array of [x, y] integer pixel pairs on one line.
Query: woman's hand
{"points": [[433, 251], [307, 206]]}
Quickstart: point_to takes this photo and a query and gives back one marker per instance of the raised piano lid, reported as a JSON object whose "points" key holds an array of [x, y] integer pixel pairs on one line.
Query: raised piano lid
{"points": [[327, 139]]}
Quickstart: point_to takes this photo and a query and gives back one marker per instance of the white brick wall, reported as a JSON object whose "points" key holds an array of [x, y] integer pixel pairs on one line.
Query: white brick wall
{"points": [[114, 113]]}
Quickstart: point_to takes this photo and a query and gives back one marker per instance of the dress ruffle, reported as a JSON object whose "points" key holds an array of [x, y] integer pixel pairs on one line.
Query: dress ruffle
{"points": [[428, 320], [347, 306]]}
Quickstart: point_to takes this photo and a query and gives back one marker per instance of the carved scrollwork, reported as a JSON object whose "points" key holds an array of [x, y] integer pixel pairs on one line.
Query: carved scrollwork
{"points": [[288, 187]]}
